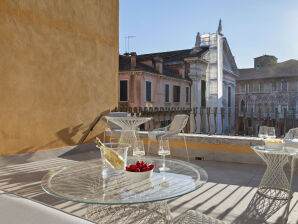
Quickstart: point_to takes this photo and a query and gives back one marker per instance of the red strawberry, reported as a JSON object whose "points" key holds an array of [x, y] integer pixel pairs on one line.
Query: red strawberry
{"points": [[132, 167], [151, 166], [127, 168], [137, 170]]}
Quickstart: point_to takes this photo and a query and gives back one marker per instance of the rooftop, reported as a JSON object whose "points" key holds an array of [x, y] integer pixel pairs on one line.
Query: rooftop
{"points": [[279, 70], [167, 58]]}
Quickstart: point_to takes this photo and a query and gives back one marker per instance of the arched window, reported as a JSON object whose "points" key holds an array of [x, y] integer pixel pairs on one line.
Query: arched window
{"points": [[242, 106]]}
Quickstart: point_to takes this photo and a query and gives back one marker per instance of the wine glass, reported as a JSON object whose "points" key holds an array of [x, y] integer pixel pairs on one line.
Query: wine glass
{"points": [[138, 149], [271, 132], [164, 150], [263, 132]]}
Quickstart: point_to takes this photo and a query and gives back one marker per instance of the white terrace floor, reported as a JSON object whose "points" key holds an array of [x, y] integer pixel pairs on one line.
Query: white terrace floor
{"points": [[229, 195]]}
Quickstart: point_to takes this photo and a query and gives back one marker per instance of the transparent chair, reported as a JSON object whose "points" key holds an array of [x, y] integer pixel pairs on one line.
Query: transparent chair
{"points": [[112, 128], [194, 217], [177, 126], [291, 142]]}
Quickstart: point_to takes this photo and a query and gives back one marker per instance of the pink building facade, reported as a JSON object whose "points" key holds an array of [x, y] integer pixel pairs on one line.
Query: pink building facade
{"points": [[146, 82]]}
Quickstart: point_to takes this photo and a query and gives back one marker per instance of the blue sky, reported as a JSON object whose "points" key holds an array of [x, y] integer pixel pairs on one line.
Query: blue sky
{"points": [[252, 27]]}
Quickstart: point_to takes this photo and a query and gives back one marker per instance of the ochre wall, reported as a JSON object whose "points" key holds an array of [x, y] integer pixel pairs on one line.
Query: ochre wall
{"points": [[58, 70]]}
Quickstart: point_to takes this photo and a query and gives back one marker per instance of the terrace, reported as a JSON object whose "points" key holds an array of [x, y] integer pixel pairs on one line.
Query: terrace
{"points": [[229, 195], [58, 78]]}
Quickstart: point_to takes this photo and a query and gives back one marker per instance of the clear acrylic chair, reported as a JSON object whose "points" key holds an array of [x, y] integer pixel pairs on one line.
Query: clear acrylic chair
{"points": [[291, 142], [194, 217], [112, 128], [177, 126]]}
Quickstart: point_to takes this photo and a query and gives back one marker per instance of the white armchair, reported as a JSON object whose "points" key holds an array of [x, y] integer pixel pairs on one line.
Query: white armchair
{"points": [[176, 126], [194, 217], [112, 128]]}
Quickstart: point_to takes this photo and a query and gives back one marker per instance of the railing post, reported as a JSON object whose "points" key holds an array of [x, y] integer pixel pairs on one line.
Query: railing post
{"points": [[229, 119], [276, 118], [208, 116], [201, 116], [222, 114], [251, 118], [285, 121], [244, 118], [215, 118], [294, 118]]}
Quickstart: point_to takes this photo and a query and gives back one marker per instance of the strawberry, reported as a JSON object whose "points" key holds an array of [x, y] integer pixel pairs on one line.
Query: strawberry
{"points": [[137, 170], [151, 166], [132, 167], [127, 168]]}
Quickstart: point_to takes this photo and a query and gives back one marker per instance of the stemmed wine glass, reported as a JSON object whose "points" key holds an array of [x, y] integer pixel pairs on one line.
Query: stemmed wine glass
{"points": [[138, 149], [164, 150]]}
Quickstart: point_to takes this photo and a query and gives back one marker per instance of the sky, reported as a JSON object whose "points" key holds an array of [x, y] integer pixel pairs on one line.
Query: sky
{"points": [[252, 27]]}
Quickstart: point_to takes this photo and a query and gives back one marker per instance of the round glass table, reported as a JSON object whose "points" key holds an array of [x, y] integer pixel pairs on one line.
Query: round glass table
{"points": [[129, 125], [120, 200], [274, 183]]}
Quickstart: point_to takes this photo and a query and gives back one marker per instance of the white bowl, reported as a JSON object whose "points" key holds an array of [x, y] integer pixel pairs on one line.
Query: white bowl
{"points": [[273, 146], [138, 176]]}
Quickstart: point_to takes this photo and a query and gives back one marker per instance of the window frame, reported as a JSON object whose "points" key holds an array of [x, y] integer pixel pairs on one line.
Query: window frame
{"points": [[167, 93], [127, 92], [146, 96], [174, 99], [187, 94]]}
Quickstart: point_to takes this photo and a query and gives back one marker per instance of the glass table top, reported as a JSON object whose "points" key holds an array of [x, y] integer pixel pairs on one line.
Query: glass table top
{"points": [[84, 183], [128, 122], [284, 151]]}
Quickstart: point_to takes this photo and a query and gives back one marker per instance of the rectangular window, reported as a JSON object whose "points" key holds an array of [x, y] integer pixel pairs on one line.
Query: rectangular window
{"points": [[187, 94], [229, 97], [176, 94], [250, 87], [123, 91], [242, 87], [274, 86], [148, 91], [167, 89]]}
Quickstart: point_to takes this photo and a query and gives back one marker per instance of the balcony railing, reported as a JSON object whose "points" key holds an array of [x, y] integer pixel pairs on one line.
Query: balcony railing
{"points": [[232, 121]]}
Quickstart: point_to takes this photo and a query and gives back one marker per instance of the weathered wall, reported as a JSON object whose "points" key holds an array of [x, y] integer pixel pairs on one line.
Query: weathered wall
{"points": [[58, 70]]}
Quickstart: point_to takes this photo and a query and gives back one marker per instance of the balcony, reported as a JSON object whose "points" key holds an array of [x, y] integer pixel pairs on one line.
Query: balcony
{"points": [[234, 172]]}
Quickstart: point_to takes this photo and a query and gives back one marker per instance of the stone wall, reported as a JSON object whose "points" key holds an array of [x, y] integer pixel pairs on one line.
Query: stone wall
{"points": [[58, 70]]}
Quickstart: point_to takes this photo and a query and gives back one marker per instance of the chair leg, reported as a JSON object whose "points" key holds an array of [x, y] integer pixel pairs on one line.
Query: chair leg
{"points": [[186, 149]]}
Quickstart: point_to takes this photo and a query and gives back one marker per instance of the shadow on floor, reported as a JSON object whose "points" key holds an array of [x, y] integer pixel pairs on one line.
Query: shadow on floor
{"points": [[260, 209]]}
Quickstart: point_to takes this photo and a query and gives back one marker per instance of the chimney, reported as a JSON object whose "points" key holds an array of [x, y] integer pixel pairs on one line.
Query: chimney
{"points": [[133, 60], [158, 64]]}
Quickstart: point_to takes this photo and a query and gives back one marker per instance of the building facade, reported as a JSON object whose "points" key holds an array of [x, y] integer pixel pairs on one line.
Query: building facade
{"points": [[202, 78], [267, 95]]}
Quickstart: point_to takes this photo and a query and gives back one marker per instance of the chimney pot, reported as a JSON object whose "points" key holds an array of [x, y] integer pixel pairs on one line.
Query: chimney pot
{"points": [[133, 60]]}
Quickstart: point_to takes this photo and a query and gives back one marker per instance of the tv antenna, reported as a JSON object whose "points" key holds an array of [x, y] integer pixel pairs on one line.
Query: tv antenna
{"points": [[127, 39]]}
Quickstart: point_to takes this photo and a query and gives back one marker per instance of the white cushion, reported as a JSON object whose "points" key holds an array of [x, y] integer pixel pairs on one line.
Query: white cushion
{"points": [[15, 209]]}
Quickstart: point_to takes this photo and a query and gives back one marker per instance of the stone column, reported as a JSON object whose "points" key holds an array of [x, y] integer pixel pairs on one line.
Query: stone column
{"points": [[195, 74]]}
